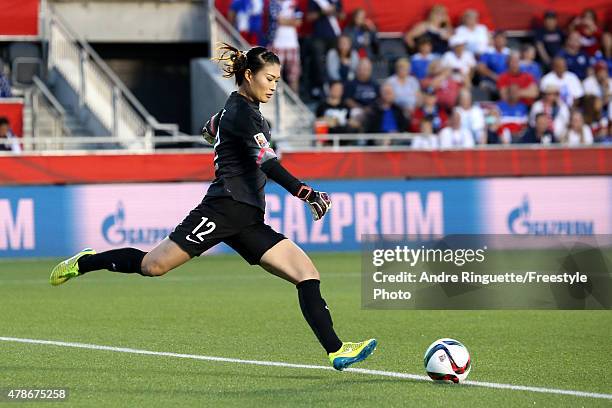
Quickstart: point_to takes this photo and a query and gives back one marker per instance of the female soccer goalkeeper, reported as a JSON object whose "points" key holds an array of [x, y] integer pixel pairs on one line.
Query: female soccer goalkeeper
{"points": [[233, 209]]}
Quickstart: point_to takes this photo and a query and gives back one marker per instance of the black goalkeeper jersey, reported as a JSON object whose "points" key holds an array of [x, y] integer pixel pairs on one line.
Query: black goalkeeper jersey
{"points": [[242, 144]]}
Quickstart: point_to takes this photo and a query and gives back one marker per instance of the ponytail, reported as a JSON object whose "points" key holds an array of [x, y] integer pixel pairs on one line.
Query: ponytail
{"points": [[237, 62]]}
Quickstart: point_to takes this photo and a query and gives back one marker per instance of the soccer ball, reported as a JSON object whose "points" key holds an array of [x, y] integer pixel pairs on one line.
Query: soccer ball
{"points": [[447, 360]]}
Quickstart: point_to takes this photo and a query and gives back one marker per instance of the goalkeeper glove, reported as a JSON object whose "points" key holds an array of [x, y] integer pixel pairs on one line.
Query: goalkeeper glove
{"points": [[318, 201], [209, 131]]}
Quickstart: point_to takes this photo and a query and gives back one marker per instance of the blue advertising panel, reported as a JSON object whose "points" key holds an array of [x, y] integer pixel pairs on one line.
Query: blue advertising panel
{"points": [[60, 220], [404, 207], [35, 221]]}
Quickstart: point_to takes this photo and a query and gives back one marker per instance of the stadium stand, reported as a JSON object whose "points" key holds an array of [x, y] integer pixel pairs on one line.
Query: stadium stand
{"points": [[63, 92], [430, 54]]}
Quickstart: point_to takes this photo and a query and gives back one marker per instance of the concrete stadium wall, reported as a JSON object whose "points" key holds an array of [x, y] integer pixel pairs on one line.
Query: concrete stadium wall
{"points": [[209, 90], [135, 21]]}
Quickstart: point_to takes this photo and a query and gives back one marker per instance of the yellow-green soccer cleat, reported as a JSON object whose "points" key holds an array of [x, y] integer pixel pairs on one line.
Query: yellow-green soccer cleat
{"points": [[69, 268], [351, 353]]}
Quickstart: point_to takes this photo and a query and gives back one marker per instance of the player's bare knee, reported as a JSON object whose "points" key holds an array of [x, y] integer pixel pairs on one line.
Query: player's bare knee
{"points": [[308, 275], [153, 268]]}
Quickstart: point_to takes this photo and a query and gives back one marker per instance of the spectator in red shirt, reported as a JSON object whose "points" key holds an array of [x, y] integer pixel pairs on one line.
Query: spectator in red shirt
{"points": [[430, 111], [527, 87], [445, 83], [586, 25]]}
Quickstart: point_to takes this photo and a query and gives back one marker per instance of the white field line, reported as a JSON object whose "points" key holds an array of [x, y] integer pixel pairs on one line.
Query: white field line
{"points": [[306, 366], [44, 280]]}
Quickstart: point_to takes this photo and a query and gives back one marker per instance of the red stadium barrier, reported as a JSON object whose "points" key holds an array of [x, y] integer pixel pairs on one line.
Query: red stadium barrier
{"points": [[496, 14], [392, 16], [19, 18], [320, 165], [12, 109]]}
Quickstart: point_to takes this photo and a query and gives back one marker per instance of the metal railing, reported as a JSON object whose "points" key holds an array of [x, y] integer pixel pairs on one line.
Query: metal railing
{"points": [[385, 142], [48, 118], [285, 111], [99, 89]]}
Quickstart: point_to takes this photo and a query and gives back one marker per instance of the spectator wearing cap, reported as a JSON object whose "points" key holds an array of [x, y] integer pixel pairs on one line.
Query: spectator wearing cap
{"points": [[454, 135], [430, 111], [8, 141], [459, 59], [472, 116], [445, 83], [566, 82], [421, 60], [556, 112], [494, 61], [577, 61], [527, 87], [386, 116], [406, 87], [476, 35], [538, 133], [578, 133], [549, 38], [528, 63], [514, 113], [600, 83]]}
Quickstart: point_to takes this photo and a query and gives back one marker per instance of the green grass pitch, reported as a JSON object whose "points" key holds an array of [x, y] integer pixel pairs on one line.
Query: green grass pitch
{"points": [[220, 306]]}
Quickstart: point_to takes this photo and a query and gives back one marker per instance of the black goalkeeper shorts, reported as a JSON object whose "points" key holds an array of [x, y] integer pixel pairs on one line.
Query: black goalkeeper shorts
{"points": [[222, 219]]}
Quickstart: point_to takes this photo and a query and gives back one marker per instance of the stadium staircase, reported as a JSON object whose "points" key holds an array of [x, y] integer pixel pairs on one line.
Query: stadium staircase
{"points": [[83, 104]]}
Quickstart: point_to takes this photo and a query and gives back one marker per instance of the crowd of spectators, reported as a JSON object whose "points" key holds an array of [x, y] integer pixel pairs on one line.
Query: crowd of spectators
{"points": [[554, 88]]}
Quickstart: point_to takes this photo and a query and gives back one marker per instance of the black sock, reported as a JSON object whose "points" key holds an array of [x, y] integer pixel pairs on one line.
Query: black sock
{"points": [[126, 260], [317, 315]]}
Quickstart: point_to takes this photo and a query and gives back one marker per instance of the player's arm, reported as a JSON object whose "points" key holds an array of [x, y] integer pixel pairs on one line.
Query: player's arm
{"points": [[260, 150], [209, 131], [318, 201]]}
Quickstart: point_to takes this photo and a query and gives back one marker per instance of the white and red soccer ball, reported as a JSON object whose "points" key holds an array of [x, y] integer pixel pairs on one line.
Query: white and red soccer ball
{"points": [[447, 360]]}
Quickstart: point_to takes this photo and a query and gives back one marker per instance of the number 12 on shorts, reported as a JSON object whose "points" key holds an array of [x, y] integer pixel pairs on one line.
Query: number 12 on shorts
{"points": [[210, 227]]}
